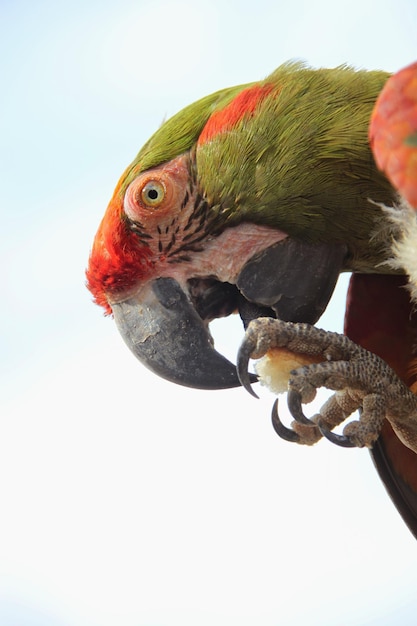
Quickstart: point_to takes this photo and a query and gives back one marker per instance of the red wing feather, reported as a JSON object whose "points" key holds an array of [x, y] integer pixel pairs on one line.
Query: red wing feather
{"points": [[379, 317]]}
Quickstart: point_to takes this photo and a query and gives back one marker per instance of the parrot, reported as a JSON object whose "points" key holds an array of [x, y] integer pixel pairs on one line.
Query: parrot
{"points": [[253, 200]]}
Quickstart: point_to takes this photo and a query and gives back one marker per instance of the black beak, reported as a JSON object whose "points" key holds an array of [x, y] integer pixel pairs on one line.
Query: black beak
{"points": [[167, 330]]}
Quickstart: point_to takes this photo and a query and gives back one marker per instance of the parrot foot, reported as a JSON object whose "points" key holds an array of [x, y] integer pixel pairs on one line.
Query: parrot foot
{"points": [[361, 381]]}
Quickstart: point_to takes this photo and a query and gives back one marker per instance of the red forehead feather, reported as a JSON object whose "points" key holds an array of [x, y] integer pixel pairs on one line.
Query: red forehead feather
{"points": [[243, 105], [116, 262]]}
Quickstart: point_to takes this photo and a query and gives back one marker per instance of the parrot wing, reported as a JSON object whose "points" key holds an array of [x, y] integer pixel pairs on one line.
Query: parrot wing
{"points": [[379, 318]]}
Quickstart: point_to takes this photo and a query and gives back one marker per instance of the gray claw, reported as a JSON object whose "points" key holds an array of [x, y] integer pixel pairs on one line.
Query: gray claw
{"points": [[245, 378], [281, 430], [296, 409], [338, 440]]}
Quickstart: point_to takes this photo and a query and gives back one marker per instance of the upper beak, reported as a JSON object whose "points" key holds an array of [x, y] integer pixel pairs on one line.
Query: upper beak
{"points": [[167, 335]]}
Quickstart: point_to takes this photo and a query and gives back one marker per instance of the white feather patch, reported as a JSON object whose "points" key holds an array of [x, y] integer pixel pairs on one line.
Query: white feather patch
{"points": [[404, 245]]}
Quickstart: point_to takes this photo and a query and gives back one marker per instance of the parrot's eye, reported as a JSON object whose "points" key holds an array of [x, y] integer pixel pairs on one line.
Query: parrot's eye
{"points": [[155, 195], [152, 194]]}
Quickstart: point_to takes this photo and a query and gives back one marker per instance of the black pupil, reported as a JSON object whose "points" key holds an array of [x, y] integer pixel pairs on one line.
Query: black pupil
{"points": [[153, 194]]}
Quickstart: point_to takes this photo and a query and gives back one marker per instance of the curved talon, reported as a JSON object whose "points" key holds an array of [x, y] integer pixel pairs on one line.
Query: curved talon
{"points": [[296, 409], [281, 430], [243, 374], [338, 440]]}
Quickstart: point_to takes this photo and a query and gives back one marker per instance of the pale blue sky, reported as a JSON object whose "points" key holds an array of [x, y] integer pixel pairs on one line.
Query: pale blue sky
{"points": [[125, 499]]}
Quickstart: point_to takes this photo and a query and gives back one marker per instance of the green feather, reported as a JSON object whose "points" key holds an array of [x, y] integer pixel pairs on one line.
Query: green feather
{"points": [[302, 163], [178, 134]]}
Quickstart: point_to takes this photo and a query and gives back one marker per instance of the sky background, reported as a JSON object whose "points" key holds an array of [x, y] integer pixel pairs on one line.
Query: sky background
{"points": [[125, 499]]}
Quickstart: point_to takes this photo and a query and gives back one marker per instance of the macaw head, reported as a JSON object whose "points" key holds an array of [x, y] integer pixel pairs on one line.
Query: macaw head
{"points": [[227, 208]]}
